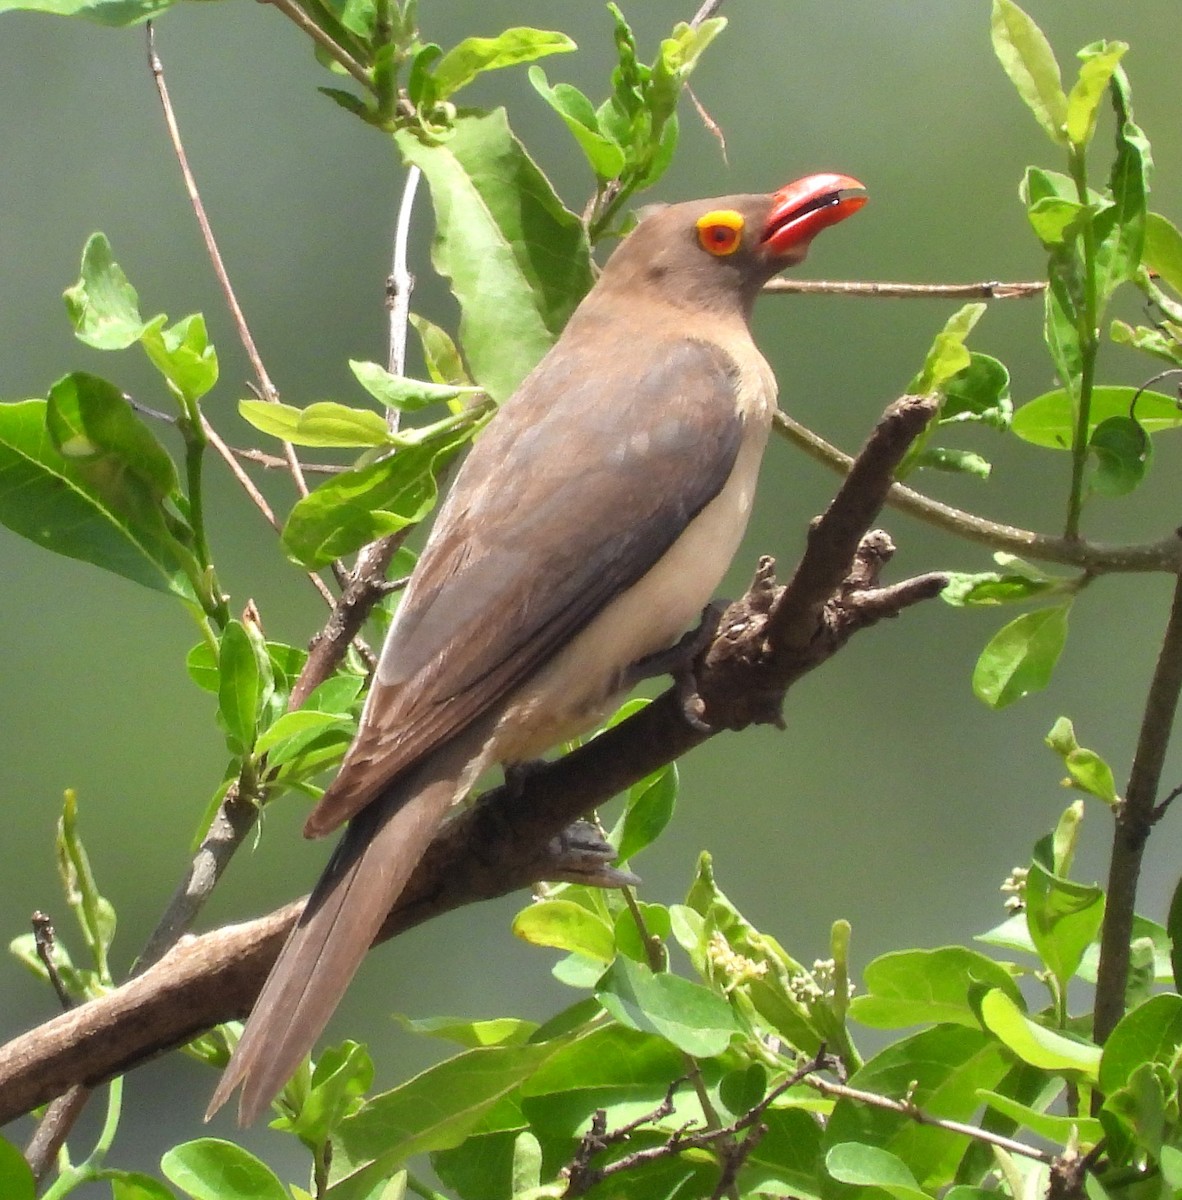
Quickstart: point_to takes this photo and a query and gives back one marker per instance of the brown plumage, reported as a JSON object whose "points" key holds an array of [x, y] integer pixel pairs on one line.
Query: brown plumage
{"points": [[587, 528]]}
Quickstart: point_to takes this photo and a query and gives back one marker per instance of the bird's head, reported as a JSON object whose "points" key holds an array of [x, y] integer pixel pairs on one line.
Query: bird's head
{"points": [[720, 252]]}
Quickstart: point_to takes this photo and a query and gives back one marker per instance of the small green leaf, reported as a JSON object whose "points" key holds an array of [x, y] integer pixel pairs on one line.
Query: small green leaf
{"points": [[1120, 231], [1088, 90], [564, 925], [1049, 419], [1020, 658], [1060, 318], [294, 732], [16, 1178], [1157, 342], [93, 911], [1045, 1125], [948, 355], [1085, 768], [1151, 1033], [979, 392], [1027, 58], [1034, 1043], [1163, 250], [324, 424], [692, 1017], [607, 159], [956, 462], [474, 55], [1056, 221], [183, 354], [1123, 452], [103, 305], [499, 1031], [440, 353], [649, 809], [406, 395], [240, 686], [342, 1076], [871, 1166], [1063, 918], [989, 588], [132, 1185], [211, 1169]]}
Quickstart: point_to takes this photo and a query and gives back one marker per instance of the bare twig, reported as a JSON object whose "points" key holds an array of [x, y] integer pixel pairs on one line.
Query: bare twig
{"points": [[991, 290], [44, 941], [272, 462], [53, 1129], [1093, 557], [708, 9], [1134, 820], [913, 1112], [400, 284]]}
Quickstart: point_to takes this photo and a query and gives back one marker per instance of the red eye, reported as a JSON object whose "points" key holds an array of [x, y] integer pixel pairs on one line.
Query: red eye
{"points": [[720, 232]]}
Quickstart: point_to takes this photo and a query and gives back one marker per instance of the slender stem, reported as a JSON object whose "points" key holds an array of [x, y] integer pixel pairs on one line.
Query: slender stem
{"points": [[1134, 820], [1095, 558], [1089, 346], [906, 291], [399, 286]]}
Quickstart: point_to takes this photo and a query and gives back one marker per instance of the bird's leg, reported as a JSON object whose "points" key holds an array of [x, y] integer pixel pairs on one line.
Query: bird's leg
{"points": [[517, 774], [678, 660], [581, 854]]}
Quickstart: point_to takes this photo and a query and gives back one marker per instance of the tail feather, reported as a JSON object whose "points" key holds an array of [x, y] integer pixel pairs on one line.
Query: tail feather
{"points": [[367, 872]]}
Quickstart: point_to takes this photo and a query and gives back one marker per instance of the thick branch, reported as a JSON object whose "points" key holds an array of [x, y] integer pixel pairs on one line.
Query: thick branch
{"points": [[511, 840]]}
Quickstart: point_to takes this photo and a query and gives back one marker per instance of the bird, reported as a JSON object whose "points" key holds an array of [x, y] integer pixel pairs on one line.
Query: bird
{"points": [[586, 530]]}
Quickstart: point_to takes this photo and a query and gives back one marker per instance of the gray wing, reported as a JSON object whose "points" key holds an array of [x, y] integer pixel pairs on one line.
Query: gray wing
{"points": [[584, 479]]}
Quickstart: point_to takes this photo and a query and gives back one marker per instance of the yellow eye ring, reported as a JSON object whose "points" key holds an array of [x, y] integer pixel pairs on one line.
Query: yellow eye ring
{"points": [[720, 232]]}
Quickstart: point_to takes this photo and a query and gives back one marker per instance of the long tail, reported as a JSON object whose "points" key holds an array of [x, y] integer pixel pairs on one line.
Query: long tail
{"points": [[368, 870]]}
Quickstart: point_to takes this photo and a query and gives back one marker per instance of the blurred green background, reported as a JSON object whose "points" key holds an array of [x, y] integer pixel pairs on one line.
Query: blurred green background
{"points": [[895, 799]]}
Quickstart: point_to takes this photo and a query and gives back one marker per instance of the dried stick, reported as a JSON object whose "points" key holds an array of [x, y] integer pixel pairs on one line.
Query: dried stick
{"points": [[992, 290]]}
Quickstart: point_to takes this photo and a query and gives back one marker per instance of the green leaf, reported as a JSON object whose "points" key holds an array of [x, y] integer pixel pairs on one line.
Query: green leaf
{"points": [[787, 1159], [565, 925], [518, 261], [1123, 452], [1088, 90], [607, 159], [927, 987], [649, 809], [979, 392], [16, 1179], [474, 55], [1027, 58], [1045, 1125], [1121, 230], [1060, 319], [324, 424], [440, 353], [211, 1169], [132, 1185], [871, 1166], [293, 731], [183, 354], [1163, 250], [1034, 1043], [1063, 918], [342, 1076], [989, 588], [1157, 342], [406, 395], [360, 505], [115, 13], [1136, 1117], [1085, 768], [99, 510], [948, 355], [692, 1017], [1049, 419], [956, 462], [498, 1031], [1151, 1033], [1057, 221], [94, 913], [103, 306], [240, 686], [1020, 658]]}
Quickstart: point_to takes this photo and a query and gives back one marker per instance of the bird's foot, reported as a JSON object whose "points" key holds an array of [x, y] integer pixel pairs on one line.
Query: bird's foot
{"points": [[518, 774], [581, 854], [678, 660]]}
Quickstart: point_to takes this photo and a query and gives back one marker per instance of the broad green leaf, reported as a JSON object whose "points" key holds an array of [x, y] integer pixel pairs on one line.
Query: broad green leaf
{"points": [[564, 925], [211, 1169], [1045, 1125], [116, 13], [948, 355], [692, 1017], [103, 305], [240, 686], [518, 261], [460, 65], [365, 503], [16, 1179], [873, 1167], [787, 1159], [1163, 249], [656, 924], [1034, 1043], [991, 588], [56, 502], [1088, 90], [1063, 918], [440, 353], [498, 1031], [1149, 1033], [1020, 658], [927, 987], [183, 354], [578, 113], [979, 392], [1122, 452], [942, 1070], [1055, 220], [1086, 769], [1049, 419], [324, 424], [131, 1185], [406, 395], [1120, 232], [434, 1110], [1027, 58], [649, 809]]}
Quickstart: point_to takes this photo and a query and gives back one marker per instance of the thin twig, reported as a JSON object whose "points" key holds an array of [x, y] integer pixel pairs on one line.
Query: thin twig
{"points": [[400, 285], [708, 9], [1134, 820], [50, 1135], [1094, 557], [906, 291], [913, 1112], [266, 387], [44, 941], [297, 16], [272, 462]]}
